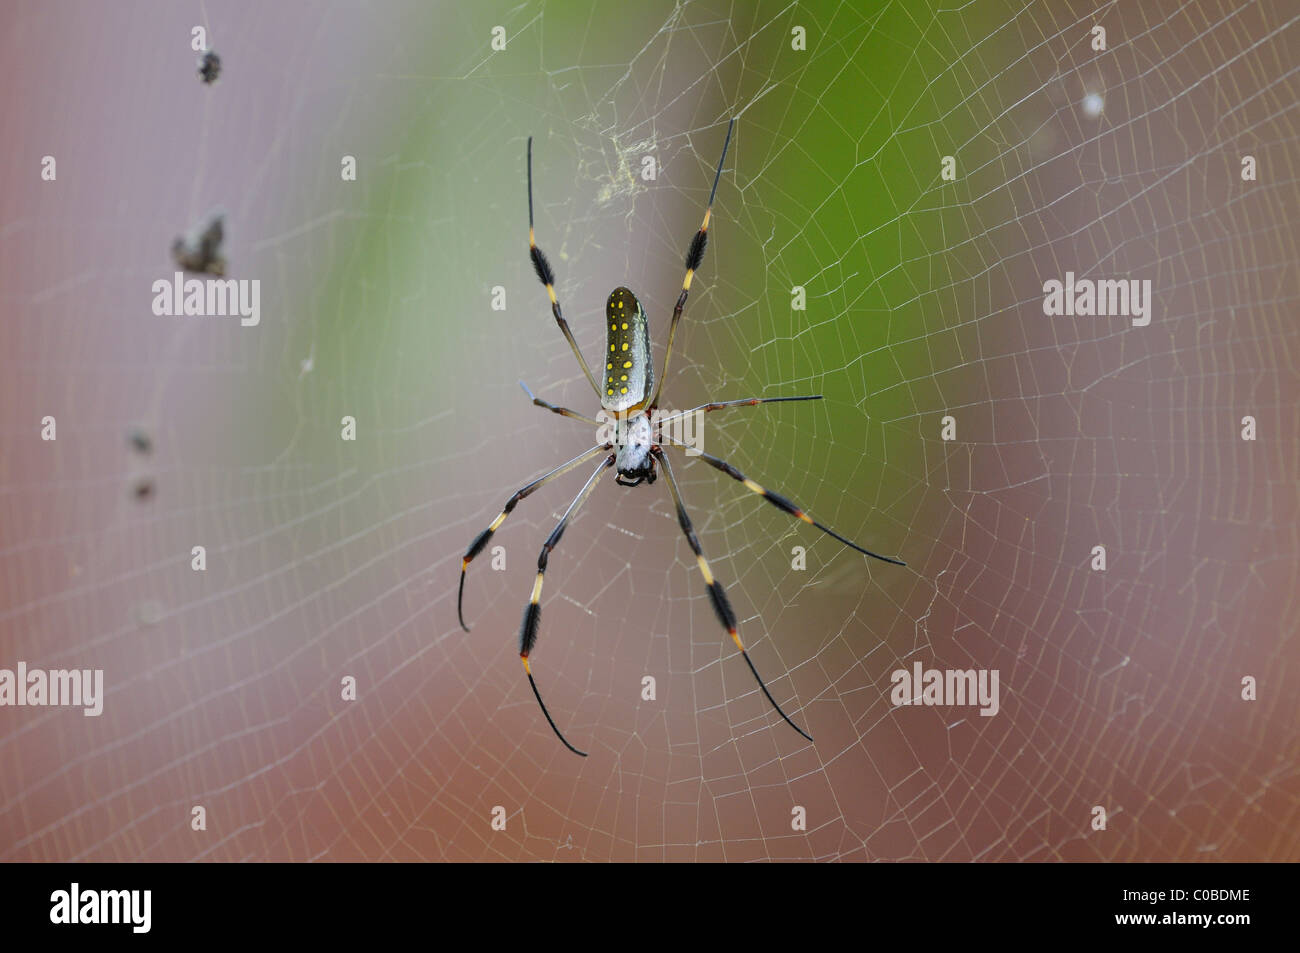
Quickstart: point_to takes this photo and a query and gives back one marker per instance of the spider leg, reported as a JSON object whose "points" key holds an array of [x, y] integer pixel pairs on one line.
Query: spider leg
{"points": [[547, 277], [533, 611], [743, 402], [481, 540], [786, 506], [562, 411], [716, 593], [694, 256]]}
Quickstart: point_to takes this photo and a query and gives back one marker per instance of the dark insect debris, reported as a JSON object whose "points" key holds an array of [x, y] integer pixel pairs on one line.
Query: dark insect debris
{"points": [[209, 67]]}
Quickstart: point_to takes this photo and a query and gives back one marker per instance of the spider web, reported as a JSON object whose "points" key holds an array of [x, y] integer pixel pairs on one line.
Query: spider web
{"points": [[329, 558]]}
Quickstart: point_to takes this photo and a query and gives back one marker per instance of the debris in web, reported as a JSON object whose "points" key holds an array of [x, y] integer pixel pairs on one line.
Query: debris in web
{"points": [[209, 67], [200, 250]]}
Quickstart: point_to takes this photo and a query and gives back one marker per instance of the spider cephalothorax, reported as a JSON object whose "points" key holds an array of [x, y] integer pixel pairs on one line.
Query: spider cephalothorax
{"points": [[634, 459], [630, 395]]}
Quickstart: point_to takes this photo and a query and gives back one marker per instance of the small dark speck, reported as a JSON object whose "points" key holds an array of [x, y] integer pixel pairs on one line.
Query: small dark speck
{"points": [[143, 489], [209, 67], [200, 250], [139, 440]]}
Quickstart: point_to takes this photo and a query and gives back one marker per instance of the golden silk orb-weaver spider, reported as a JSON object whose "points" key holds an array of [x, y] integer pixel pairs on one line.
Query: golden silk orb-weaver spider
{"points": [[630, 392]]}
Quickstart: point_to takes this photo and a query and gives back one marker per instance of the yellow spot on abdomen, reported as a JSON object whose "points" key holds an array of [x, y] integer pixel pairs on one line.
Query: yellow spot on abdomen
{"points": [[625, 345]]}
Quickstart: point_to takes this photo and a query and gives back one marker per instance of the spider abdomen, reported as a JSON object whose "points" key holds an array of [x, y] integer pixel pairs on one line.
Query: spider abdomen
{"points": [[628, 380]]}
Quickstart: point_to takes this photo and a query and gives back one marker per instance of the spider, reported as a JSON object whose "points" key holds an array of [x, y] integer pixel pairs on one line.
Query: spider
{"points": [[632, 395]]}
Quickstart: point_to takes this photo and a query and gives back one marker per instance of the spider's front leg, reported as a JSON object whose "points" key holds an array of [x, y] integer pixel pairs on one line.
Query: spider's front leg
{"points": [[532, 620], [784, 505], [481, 540], [717, 595]]}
